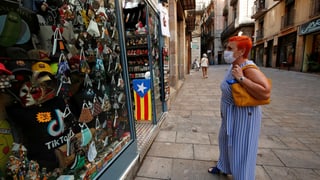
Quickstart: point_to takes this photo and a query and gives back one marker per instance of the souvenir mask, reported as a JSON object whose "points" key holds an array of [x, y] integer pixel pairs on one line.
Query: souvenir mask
{"points": [[92, 152], [93, 29], [85, 134], [69, 147], [78, 163], [30, 95]]}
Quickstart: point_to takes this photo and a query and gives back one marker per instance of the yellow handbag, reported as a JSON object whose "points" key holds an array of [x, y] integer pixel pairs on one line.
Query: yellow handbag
{"points": [[242, 98]]}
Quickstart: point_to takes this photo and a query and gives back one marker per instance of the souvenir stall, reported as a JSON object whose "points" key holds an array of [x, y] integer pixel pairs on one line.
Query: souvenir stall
{"points": [[144, 55], [65, 97]]}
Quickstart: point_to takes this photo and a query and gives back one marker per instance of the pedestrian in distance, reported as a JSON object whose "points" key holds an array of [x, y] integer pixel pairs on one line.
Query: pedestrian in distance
{"points": [[196, 64], [204, 65], [240, 125]]}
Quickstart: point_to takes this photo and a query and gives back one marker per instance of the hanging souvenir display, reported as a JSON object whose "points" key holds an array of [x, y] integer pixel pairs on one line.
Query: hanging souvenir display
{"points": [[86, 134], [92, 152], [96, 108], [93, 28], [86, 114], [58, 41], [69, 89], [63, 77], [70, 148], [70, 120], [84, 65], [106, 105]]}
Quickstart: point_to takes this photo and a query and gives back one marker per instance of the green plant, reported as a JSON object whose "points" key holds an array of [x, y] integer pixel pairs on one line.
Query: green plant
{"points": [[313, 62]]}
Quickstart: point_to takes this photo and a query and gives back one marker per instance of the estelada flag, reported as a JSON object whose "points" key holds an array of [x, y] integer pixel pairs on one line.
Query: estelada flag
{"points": [[142, 99]]}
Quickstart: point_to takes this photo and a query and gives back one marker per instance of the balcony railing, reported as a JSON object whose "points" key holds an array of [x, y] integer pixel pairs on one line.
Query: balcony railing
{"points": [[210, 18], [259, 9], [315, 8], [227, 31], [287, 20], [259, 34]]}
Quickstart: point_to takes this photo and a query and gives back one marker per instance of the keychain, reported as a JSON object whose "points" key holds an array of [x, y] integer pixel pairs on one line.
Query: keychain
{"points": [[84, 66]]}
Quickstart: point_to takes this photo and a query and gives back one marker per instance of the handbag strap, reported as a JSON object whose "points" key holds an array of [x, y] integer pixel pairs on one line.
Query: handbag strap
{"points": [[255, 67], [249, 66]]}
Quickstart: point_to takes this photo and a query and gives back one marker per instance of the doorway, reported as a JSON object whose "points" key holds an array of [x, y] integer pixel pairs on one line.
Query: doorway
{"points": [[269, 54]]}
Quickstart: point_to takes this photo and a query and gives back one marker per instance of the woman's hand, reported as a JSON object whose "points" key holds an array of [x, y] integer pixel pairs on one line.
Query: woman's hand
{"points": [[237, 72]]}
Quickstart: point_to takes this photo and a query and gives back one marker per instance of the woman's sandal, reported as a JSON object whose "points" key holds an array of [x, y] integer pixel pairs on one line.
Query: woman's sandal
{"points": [[215, 170]]}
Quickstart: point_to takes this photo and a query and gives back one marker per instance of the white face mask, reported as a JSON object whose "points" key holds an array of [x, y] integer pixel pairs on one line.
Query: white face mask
{"points": [[228, 57], [29, 95]]}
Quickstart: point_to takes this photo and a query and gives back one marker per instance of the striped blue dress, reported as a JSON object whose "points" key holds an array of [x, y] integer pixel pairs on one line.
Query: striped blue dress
{"points": [[239, 134]]}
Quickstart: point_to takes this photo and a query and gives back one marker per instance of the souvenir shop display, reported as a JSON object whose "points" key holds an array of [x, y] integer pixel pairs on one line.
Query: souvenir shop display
{"points": [[62, 68], [143, 42]]}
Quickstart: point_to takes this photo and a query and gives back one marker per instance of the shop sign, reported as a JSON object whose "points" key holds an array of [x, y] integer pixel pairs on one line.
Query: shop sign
{"points": [[195, 46], [310, 27], [164, 20]]}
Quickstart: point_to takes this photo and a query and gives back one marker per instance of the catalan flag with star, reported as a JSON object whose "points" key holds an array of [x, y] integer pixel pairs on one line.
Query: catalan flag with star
{"points": [[142, 99]]}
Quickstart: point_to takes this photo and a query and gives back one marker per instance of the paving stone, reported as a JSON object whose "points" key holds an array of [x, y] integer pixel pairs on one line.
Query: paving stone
{"points": [[167, 126], [191, 137], [298, 158], [182, 117], [155, 167], [178, 126], [271, 131], [203, 129], [214, 138], [293, 143], [202, 120], [271, 142], [206, 152], [171, 150], [267, 157], [166, 136], [203, 113], [291, 132], [143, 178], [285, 173], [268, 122], [312, 143], [261, 174], [195, 107], [194, 170]]}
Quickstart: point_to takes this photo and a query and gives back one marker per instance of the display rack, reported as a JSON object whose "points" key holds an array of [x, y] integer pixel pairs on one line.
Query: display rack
{"points": [[137, 55], [143, 44]]}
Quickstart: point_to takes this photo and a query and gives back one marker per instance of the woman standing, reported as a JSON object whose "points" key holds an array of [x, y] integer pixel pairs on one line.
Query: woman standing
{"points": [[240, 126], [204, 65]]}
